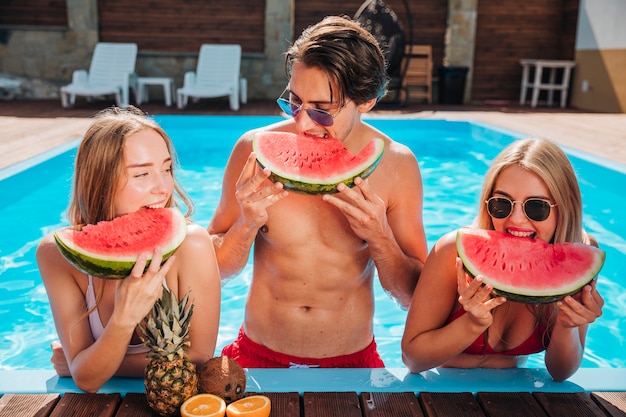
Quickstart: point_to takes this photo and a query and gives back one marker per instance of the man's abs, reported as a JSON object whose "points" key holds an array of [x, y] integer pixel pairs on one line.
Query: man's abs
{"points": [[309, 319]]}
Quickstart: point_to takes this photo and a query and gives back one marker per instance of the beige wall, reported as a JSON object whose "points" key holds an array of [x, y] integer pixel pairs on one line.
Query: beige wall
{"points": [[600, 80]]}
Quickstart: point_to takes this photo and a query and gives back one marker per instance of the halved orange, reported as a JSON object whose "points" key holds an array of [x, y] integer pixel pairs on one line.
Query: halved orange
{"points": [[203, 405], [251, 406]]}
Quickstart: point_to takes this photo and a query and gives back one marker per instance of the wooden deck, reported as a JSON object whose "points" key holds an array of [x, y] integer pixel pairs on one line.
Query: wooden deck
{"points": [[30, 128], [341, 404]]}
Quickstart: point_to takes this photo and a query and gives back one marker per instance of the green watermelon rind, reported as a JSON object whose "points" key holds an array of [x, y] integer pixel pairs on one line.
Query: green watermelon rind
{"points": [[113, 267], [316, 186], [530, 296], [536, 299], [321, 188]]}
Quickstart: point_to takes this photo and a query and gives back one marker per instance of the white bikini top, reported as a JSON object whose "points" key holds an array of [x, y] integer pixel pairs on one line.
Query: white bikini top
{"points": [[96, 324]]}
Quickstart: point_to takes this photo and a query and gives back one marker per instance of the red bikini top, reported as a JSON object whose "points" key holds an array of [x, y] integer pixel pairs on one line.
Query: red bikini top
{"points": [[534, 343]]}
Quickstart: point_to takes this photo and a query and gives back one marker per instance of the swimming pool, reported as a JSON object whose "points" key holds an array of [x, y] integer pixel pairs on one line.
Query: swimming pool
{"points": [[453, 157]]}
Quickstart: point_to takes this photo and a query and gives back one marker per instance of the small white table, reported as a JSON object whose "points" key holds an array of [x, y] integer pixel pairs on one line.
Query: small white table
{"points": [[166, 82], [537, 84]]}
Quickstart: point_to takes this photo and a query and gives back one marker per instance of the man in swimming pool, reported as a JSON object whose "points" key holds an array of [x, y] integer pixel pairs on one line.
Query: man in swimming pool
{"points": [[311, 297]]}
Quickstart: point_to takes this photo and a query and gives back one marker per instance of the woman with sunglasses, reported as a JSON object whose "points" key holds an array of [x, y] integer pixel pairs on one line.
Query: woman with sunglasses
{"points": [[311, 300], [530, 190]]}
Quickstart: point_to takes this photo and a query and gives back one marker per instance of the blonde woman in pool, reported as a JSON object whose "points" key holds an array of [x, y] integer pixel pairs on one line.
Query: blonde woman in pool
{"points": [[125, 163], [530, 191]]}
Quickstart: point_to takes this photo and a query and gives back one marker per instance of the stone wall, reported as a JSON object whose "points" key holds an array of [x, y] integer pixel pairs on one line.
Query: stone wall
{"points": [[460, 38], [43, 60]]}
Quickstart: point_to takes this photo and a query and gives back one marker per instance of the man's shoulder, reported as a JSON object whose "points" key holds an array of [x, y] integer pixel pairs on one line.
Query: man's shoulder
{"points": [[400, 148], [391, 145], [399, 155]]}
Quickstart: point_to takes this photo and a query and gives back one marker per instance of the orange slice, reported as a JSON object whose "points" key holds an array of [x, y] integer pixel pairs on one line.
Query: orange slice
{"points": [[252, 406], [204, 405]]}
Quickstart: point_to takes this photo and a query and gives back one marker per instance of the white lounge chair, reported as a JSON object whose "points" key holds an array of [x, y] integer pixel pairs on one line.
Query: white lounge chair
{"points": [[9, 88], [216, 75], [111, 71]]}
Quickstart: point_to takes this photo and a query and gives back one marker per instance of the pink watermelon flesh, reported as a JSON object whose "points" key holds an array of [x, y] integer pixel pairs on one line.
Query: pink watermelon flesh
{"points": [[528, 270], [314, 165], [110, 249]]}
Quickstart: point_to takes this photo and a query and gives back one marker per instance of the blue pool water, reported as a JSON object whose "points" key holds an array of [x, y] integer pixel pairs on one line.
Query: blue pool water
{"points": [[453, 157]]}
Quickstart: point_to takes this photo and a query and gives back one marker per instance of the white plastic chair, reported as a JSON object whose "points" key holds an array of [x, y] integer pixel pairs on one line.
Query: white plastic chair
{"points": [[111, 71], [217, 75]]}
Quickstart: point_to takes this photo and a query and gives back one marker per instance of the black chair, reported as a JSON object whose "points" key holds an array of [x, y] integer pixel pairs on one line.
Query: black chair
{"points": [[383, 23]]}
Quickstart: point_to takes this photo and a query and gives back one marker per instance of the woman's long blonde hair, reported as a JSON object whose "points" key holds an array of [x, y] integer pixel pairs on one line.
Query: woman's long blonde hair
{"points": [[100, 166]]}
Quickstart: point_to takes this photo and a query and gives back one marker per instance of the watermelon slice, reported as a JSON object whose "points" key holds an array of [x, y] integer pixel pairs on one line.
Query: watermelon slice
{"points": [[528, 270], [110, 249], [313, 165]]}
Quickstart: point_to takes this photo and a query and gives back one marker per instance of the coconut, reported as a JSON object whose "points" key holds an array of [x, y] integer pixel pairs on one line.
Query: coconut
{"points": [[222, 376]]}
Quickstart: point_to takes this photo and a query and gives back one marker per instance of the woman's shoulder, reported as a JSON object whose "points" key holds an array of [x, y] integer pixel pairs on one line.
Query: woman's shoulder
{"points": [[197, 233], [52, 264], [446, 242], [449, 238], [47, 246], [195, 258], [198, 240]]}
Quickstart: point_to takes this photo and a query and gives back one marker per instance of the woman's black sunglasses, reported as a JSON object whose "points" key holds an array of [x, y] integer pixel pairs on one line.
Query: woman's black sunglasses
{"points": [[535, 209]]}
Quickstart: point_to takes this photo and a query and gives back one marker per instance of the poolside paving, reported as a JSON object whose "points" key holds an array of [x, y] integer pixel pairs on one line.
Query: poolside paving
{"points": [[31, 127]]}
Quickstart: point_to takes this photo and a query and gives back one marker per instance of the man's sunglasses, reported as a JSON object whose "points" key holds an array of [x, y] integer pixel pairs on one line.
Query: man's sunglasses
{"points": [[321, 117], [535, 209]]}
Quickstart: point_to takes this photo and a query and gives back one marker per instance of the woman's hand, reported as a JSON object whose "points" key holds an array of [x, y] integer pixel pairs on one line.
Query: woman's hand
{"points": [[135, 295], [581, 309], [476, 297], [58, 359]]}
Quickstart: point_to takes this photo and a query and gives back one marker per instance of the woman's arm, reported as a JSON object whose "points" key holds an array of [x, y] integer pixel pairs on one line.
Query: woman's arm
{"points": [[428, 341], [90, 362], [567, 339], [196, 270]]}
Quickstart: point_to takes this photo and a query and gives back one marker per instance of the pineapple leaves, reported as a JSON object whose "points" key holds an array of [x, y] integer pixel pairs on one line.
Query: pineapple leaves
{"points": [[166, 330]]}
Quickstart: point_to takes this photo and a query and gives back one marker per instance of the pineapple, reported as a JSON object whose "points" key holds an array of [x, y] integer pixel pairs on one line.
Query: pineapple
{"points": [[170, 376]]}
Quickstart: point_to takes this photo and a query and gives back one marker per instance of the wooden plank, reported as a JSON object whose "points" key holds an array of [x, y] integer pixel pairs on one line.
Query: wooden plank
{"points": [[496, 72], [390, 404], [614, 403], [33, 12], [27, 405], [450, 404], [284, 404], [188, 25], [331, 404], [511, 404], [574, 404], [91, 405], [134, 405]]}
